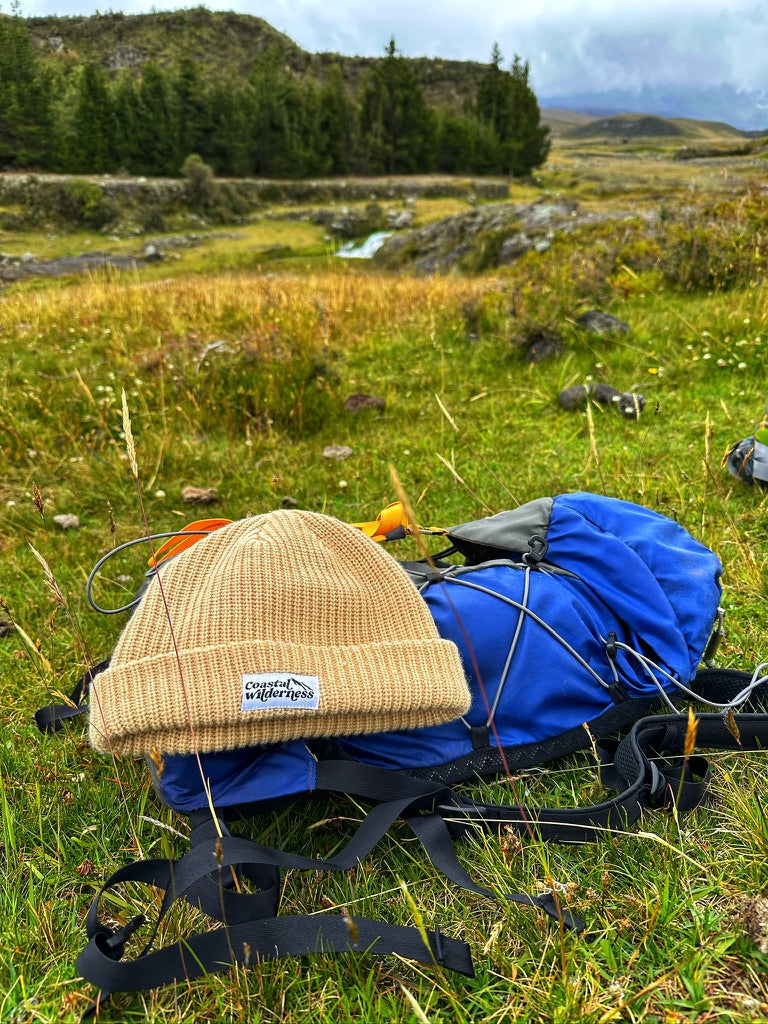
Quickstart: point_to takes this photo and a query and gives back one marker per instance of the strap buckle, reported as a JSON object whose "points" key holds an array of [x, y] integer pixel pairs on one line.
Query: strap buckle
{"points": [[708, 657], [658, 788]]}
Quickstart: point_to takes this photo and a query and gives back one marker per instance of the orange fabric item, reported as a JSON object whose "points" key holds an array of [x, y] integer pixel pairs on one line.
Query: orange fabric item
{"points": [[388, 521], [175, 545]]}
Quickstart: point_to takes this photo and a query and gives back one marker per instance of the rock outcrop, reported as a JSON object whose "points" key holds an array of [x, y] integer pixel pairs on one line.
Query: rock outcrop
{"points": [[500, 232]]}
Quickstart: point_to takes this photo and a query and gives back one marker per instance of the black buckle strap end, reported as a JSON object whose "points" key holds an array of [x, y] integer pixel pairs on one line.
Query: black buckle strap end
{"points": [[552, 907], [113, 942]]}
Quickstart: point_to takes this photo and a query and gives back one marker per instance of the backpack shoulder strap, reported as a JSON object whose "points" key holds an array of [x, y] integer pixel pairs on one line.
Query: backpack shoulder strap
{"points": [[421, 804], [253, 930]]}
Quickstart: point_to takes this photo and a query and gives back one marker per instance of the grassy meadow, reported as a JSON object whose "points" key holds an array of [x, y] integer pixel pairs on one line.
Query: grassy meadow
{"points": [[236, 361]]}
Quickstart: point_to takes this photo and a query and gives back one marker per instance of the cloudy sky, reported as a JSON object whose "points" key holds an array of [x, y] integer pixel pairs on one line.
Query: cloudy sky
{"points": [[573, 46]]}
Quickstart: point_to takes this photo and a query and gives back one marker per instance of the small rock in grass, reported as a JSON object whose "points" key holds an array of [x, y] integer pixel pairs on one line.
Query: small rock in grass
{"points": [[752, 916], [67, 521], [539, 343], [199, 495], [357, 402], [337, 451], [597, 322], [628, 403]]}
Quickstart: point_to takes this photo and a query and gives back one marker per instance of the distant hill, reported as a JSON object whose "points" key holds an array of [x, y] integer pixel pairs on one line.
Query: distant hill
{"points": [[628, 126], [624, 127], [225, 43], [744, 110], [561, 122], [219, 41], [694, 138]]}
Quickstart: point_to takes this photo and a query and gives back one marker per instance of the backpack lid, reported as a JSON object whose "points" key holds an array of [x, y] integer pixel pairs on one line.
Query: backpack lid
{"points": [[505, 534]]}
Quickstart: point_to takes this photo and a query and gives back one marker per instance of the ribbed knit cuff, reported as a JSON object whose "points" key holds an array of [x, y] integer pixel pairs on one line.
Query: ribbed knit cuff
{"points": [[206, 701]]}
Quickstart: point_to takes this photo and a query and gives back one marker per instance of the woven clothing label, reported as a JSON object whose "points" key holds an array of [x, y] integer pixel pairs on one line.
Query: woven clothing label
{"points": [[263, 690]]}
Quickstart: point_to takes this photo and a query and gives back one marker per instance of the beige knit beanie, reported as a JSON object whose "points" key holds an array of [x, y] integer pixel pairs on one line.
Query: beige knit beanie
{"points": [[286, 625]]}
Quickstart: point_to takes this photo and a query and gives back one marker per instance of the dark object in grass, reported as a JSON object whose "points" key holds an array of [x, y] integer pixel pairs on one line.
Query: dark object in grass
{"points": [[597, 322], [748, 459], [357, 402], [627, 402], [539, 343]]}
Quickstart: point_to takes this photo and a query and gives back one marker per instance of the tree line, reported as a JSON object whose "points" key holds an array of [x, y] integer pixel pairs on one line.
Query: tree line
{"points": [[270, 124]]}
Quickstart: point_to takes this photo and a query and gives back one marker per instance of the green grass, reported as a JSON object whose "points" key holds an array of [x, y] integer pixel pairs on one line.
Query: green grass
{"points": [[235, 378]]}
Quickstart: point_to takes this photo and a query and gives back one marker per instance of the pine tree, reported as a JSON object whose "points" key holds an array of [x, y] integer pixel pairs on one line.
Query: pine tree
{"points": [[285, 119], [491, 92], [189, 103], [524, 124], [455, 143], [156, 129], [272, 117], [309, 132], [227, 127], [26, 122], [396, 126], [127, 116], [335, 127], [90, 149], [507, 105]]}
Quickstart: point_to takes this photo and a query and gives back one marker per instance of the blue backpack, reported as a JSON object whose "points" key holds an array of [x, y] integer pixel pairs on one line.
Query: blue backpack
{"points": [[576, 618]]}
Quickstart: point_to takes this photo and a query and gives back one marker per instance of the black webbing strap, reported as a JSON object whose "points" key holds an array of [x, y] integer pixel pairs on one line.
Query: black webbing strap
{"points": [[429, 827], [640, 781], [431, 830], [666, 733], [52, 717], [221, 895], [648, 768], [241, 941], [254, 942], [722, 685], [673, 780], [204, 877]]}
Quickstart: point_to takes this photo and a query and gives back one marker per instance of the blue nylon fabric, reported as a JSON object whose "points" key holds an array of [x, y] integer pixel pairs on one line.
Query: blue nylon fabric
{"points": [[635, 567], [237, 776], [649, 569], [547, 691]]}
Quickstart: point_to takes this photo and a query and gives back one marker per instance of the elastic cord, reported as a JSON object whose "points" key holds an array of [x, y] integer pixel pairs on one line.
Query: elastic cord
{"points": [[649, 666], [122, 547]]}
